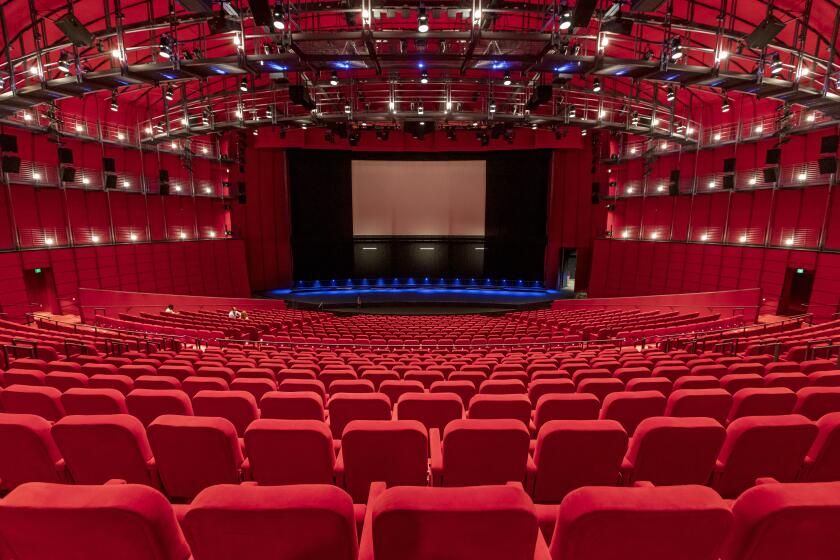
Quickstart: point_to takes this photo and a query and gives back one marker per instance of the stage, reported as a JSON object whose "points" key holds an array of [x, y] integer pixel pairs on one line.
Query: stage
{"points": [[414, 300]]}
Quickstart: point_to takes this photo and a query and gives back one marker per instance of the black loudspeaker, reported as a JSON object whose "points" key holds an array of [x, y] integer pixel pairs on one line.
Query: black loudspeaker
{"points": [[242, 199], [109, 165], [674, 183], [828, 144], [65, 155], [596, 193], [240, 187], [8, 143], [75, 30], [164, 189], [299, 96], [773, 156], [11, 164], [729, 182], [673, 189], [163, 176], [68, 174], [771, 175], [764, 32], [729, 165], [110, 181], [827, 165], [541, 95]]}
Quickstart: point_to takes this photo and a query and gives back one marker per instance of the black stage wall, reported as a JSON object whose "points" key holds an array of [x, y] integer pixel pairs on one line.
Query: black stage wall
{"points": [[323, 246]]}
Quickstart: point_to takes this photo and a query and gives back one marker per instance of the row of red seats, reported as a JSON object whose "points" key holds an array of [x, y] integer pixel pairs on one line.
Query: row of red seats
{"points": [[772, 521], [182, 455]]}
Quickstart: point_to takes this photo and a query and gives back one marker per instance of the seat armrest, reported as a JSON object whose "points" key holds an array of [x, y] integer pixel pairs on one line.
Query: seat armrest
{"points": [[366, 541], [436, 456], [116, 482]]}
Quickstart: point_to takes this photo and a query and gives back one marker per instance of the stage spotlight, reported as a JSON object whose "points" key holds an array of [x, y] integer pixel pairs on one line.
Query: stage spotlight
{"points": [[347, 108], [334, 79], [492, 106], [114, 104], [670, 94], [724, 107], [64, 62], [422, 21], [676, 49], [507, 81], [634, 119], [205, 117], [243, 85], [424, 77], [596, 85], [166, 46], [420, 108], [565, 18], [450, 134], [169, 94], [572, 111], [774, 63]]}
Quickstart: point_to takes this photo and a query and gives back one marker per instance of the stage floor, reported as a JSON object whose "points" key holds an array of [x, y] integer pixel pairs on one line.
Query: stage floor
{"points": [[420, 300]]}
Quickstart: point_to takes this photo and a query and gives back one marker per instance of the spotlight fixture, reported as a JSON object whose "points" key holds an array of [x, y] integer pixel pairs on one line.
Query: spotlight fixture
{"points": [[334, 79], [420, 108], [424, 77], [676, 49], [205, 116], [634, 119], [347, 108], [724, 107], [507, 81], [169, 94], [572, 111], [774, 63], [165, 45], [565, 18], [422, 21], [596, 85], [64, 62], [114, 104], [243, 85], [492, 106], [670, 94]]}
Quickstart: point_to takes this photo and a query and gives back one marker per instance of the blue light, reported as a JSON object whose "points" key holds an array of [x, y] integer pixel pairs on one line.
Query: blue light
{"points": [[365, 282], [411, 282], [395, 282], [169, 75], [342, 65], [520, 282], [217, 70], [421, 64], [380, 281], [348, 283], [333, 282], [276, 67], [716, 82], [426, 280], [122, 82], [621, 71], [316, 284], [498, 65], [451, 291], [671, 77]]}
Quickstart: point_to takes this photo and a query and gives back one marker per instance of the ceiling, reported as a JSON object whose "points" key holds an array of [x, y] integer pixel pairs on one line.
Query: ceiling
{"points": [[365, 62]]}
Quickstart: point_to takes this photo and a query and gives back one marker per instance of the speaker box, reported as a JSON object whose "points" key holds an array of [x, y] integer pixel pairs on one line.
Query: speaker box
{"points": [[675, 177], [11, 164], [729, 182], [729, 165], [242, 199], [827, 165], [673, 189], [110, 181], [596, 198], [8, 143], [65, 155], [75, 30], [299, 96], [240, 186], [164, 189], [68, 174], [109, 165], [540, 96], [774, 155], [163, 176], [771, 174], [828, 144]]}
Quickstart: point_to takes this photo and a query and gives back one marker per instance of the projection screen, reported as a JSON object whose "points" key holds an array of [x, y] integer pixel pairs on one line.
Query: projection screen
{"points": [[418, 198]]}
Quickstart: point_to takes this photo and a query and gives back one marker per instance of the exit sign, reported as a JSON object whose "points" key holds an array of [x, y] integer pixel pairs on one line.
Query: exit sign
{"points": [[800, 271], [37, 271]]}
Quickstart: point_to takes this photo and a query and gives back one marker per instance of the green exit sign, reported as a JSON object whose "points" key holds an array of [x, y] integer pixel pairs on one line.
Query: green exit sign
{"points": [[37, 271], [800, 271]]}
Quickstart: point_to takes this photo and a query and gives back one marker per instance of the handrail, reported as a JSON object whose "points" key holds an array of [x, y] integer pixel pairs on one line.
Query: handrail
{"points": [[583, 343], [759, 327]]}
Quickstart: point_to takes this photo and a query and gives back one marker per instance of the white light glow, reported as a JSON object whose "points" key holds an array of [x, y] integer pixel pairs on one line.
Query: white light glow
{"points": [[743, 238], [133, 237], [789, 241], [49, 241], [94, 238], [36, 176]]}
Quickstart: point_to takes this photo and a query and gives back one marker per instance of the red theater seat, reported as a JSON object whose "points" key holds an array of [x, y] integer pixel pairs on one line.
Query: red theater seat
{"points": [[297, 405], [630, 408], [516, 407], [646, 523], [786, 521], [290, 452], [239, 407], [762, 446], [762, 402], [93, 401], [63, 380], [192, 453], [493, 523], [42, 401], [477, 452], [28, 452], [465, 390], [822, 464], [433, 410], [814, 402], [104, 447], [127, 521], [711, 403], [573, 406], [121, 383], [193, 385], [148, 404], [395, 452], [347, 407], [282, 523], [672, 451]]}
